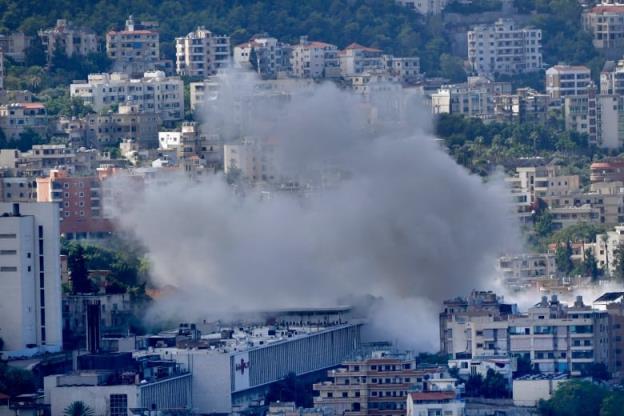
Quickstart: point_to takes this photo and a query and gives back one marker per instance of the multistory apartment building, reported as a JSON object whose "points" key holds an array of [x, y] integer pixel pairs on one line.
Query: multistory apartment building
{"points": [[457, 339], [526, 105], [605, 22], [407, 69], [30, 281], [610, 170], [16, 118], [202, 90], [79, 201], [356, 59], [264, 54], [545, 182], [202, 53], [254, 158], [565, 80], [135, 49], [504, 48], [519, 268], [558, 338], [474, 98], [599, 116], [154, 93], [14, 45], [18, 189], [315, 60], [190, 142], [378, 385], [613, 304], [425, 7], [68, 39], [427, 403], [606, 246], [128, 123], [612, 78]]}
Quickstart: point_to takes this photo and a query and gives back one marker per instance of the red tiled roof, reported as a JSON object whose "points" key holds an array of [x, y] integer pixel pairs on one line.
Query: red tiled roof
{"points": [[608, 9], [32, 106], [355, 45], [433, 395]]}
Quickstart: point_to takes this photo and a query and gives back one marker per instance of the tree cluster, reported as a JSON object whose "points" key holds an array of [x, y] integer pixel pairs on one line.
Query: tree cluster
{"points": [[583, 398]]}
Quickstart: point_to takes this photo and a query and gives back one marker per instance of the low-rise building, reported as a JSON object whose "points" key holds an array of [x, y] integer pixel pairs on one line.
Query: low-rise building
{"points": [[519, 268], [605, 22], [527, 391], [425, 7], [427, 403], [190, 142], [135, 49], [14, 45], [128, 123], [315, 60], [264, 54], [16, 118], [525, 106], [565, 80]]}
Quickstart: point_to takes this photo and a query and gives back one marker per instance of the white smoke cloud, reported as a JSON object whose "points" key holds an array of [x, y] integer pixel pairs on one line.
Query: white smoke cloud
{"points": [[406, 224]]}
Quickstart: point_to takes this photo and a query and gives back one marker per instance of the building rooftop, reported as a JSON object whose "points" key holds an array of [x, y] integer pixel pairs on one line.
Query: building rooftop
{"points": [[433, 395]]}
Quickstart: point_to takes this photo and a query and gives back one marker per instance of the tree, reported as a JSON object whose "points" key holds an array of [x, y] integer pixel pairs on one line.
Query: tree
{"points": [[474, 385], [253, 59], [563, 258], [78, 409], [613, 404], [618, 263], [27, 139], [79, 272], [35, 54], [590, 265], [452, 67], [15, 381], [494, 386], [574, 398], [597, 371]]}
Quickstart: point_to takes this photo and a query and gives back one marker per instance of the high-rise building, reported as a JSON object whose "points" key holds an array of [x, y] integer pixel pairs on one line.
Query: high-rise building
{"points": [[202, 53], [30, 281], [504, 48]]}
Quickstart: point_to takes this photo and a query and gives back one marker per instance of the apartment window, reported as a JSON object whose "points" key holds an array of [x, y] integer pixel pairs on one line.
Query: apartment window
{"points": [[7, 252], [8, 236], [8, 269], [119, 405]]}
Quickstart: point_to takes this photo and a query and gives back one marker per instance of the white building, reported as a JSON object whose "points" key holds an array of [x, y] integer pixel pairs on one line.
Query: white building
{"points": [[504, 48], [154, 93], [315, 60], [243, 363], [30, 281], [202, 53], [612, 78], [425, 6], [356, 59], [427, 403], [135, 49], [474, 98], [526, 266], [255, 159], [564, 80], [529, 390], [272, 57]]}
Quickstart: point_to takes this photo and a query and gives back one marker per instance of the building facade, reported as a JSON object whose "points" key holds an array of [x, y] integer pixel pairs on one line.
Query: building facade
{"points": [[315, 60], [30, 281], [504, 48], [135, 49], [68, 39], [16, 118], [202, 53], [564, 80]]}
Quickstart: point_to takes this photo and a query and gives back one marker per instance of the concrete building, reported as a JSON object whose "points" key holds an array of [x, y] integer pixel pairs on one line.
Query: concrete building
{"points": [[14, 45], [565, 80], [356, 59], [243, 363], [475, 98], [456, 329], [612, 78], [376, 385], [605, 22], [504, 48], [128, 123], [255, 159], [30, 281], [153, 93], [190, 142], [202, 53], [16, 118], [68, 39], [606, 245], [610, 170], [135, 49], [581, 114], [560, 338], [428, 403], [516, 269], [266, 55], [545, 182], [527, 391], [150, 385], [467, 367], [315, 60], [425, 7], [406, 69], [18, 189], [525, 106], [79, 201]]}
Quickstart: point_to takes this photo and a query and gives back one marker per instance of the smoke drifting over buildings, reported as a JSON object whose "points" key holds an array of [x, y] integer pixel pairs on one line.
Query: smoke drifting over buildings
{"points": [[404, 222]]}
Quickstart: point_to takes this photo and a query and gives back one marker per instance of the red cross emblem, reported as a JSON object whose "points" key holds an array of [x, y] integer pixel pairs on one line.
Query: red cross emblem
{"points": [[242, 366]]}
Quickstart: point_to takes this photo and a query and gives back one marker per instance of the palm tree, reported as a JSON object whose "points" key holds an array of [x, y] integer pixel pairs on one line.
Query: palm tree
{"points": [[78, 409]]}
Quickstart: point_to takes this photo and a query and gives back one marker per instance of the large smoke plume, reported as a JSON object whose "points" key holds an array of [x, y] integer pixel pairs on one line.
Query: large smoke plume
{"points": [[405, 223]]}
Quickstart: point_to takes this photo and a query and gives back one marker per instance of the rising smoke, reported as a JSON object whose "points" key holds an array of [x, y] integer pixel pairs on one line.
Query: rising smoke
{"points": [[405, 224]]}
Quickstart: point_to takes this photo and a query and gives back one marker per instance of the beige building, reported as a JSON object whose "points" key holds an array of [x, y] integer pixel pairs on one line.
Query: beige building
{"points": [[253, 158], [425, 7], [272, 57], [202, 53], [526, 267], [135, 49], [189, 143], [128, 123], [18, 189], [612, 78], [527, 391], [504, 48], [605, 22], [378, 385], [427, 403], [475, 98], [565, 80], [14, 45], [315, 60], [526, 105], [154, 93], [16, 118], [68, 39]]}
